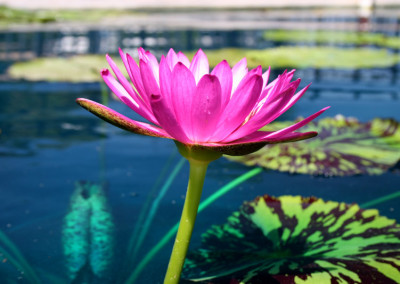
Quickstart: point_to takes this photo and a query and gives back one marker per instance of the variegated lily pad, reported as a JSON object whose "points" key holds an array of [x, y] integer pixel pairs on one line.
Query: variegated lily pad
{"points": [[343, 147], [292, 239]]}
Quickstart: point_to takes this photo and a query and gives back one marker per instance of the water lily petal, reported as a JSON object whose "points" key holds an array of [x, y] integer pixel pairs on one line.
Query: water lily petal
{"points": [[199, 66], [121, 78], [206, 108], [122, 121], [124, 96], [266, 77], [165, 79], [149, 81], [239, 107], [137, 79], [183, 59], [249, 145], [149, 58], [238, 72], [172, 59], [295, 126], [125, 61], [224, 74], [167, 119], [182, 89], [294, 99], [268, 112]]}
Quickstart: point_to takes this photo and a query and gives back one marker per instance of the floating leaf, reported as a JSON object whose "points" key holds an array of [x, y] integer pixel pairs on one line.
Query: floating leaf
{"points": [[307, 56], [329, 37], [88, 232], [292, 239], [343, 147]]}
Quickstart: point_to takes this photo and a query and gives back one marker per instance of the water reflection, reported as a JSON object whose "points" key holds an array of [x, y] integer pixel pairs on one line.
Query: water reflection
{"points": [[44, 119]]}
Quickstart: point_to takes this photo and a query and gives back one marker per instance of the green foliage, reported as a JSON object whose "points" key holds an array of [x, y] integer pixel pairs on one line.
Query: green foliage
{"points": [[343, 147], [291, 239]]}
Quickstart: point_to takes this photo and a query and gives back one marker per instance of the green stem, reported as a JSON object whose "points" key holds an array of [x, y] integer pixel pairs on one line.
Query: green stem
{"points": [[197, 175]]}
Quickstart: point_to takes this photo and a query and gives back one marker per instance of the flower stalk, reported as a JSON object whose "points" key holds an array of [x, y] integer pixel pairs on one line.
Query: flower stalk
{"points": [[197, 175]]}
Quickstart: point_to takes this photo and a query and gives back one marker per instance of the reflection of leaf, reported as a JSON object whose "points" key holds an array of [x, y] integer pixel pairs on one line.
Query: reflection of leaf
{"points": [[344, 146], [87, 231], [292, 239]]}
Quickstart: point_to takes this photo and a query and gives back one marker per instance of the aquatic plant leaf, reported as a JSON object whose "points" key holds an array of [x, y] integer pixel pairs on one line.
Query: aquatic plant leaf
{"points": [[84, 68], [292, 239], [306, 57], [88, 232], [329, 37], [343, 147]]}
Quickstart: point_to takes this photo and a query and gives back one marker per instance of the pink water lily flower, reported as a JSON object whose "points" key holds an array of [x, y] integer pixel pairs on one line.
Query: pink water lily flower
{"points": [[221, 110]]}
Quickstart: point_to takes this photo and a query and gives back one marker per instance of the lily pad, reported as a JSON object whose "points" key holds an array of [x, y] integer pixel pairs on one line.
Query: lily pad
{"points": [[305, 57], [343, 147], [79, 68], [340, 37], [86, 68], [291, 239]]}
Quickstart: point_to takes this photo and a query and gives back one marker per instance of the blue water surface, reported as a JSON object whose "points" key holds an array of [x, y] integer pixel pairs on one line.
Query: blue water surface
{"points": [[47, 143]]}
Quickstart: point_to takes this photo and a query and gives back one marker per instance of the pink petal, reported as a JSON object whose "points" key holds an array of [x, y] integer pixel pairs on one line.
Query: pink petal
{"points": [[121, 78], [206, 108], [183, 59], [148, 79], [224, 74], [288, 137], [125, 97], [266, 77], [267, 113], [125, 61], [167, 119], [182, 89], [165, 79], [149, 58], [295, 126], [120, 120], [238, 72], [136, 79], [172, 59], [294, 99], [239, 107], [199, 66]]}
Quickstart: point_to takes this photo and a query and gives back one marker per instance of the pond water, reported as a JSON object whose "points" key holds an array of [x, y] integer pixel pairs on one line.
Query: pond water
{"points": [[48, 143]]}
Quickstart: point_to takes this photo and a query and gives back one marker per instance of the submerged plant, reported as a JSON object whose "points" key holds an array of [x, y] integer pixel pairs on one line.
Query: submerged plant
{"points": [[292, 239], [88, 233], [344, 147], [207, 114]]}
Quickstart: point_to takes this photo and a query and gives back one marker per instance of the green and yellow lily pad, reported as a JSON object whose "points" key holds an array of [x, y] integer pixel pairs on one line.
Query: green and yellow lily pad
{"points": [[86, 68], [343, 147], [329, 37], [291, 239]]}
